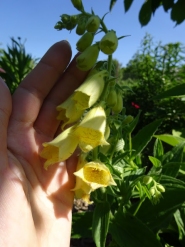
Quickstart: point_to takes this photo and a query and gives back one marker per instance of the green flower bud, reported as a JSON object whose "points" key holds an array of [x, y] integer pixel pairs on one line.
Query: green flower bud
{"points": [[85, 41], [109, 43], [74, 19], [128, 120], [65, 18], [78, 4], [93, 24], [88, 58], [119, 104], [70, 25], [81, 27], [107, 132], [112, 98], [59, 25], [160, 188], [152, 191], [147, 180]]}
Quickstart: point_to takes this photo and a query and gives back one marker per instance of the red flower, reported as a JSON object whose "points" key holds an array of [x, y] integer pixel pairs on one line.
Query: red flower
{"points": [[135, 105]]}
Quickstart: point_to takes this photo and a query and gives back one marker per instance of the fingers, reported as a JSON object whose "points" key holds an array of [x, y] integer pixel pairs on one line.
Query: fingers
{"points": [[31, 93], [68, 82], [5, 110]]}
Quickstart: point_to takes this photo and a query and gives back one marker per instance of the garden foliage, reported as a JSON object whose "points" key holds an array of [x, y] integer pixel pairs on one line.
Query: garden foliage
{"points": [[15, 63]]}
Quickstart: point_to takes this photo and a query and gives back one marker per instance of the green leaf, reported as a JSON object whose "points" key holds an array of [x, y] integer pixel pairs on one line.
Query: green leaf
{"points": [[178, 12], [170, 139], [112, 2], [155, 5], [100, 223], [174, 155], [155, 161], [175, 91], [128, 231], [159, 215], [84, 220], [145, 13], [158, 149], [171, 169], [127, 4], [144, 136], [180, 224], [167, 4]]}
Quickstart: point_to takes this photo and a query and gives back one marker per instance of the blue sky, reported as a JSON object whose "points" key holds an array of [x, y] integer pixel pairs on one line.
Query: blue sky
{"points": [[34, 21]]}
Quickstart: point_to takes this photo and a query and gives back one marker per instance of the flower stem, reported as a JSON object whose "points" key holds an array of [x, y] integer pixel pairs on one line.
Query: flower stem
{"points": [[139, 205]]}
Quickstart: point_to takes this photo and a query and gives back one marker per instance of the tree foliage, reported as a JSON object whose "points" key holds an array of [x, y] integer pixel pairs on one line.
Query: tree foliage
{"points": [[15, 63], [176, 8]]}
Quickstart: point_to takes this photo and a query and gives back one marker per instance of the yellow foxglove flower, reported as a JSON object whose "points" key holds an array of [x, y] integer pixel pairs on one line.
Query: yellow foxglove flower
{"points": [[90, 132], [59, 149], [91, 176], [89, 92], [68, 113]]}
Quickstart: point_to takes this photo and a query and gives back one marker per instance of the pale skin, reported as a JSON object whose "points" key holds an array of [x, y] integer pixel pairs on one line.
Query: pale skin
{"points": [[35, 204]]}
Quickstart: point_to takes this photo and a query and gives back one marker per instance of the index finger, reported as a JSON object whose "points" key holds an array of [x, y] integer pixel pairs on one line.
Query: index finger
{"points": [[28, 98]]}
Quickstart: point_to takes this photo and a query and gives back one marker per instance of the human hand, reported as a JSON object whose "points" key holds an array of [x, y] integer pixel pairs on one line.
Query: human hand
{"points": [[35, 204]]}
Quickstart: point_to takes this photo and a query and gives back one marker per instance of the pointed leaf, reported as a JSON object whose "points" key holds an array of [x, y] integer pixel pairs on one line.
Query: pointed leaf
{"points": [[129, 231], [144, 136], [158, 149], [170, 139], [175, 91], [100, 223], [168, 4], [112, 2], [145, 13], [127, 4], [171, 169]]}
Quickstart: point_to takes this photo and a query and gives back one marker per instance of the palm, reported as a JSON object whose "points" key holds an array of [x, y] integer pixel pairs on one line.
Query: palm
{"points": [[41, 200]]}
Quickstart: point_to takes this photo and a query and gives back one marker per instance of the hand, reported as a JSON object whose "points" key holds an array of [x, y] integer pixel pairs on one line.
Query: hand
{"points": [[36, 205]]}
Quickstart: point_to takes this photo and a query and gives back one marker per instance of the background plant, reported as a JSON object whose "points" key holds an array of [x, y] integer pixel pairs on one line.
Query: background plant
{"points": [[16, 63]]}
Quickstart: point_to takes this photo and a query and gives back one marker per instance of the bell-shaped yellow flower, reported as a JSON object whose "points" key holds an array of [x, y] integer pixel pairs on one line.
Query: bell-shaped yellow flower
{"points": [[93, 175], [89, 177], [89, 92], [68, 113], [59, 149], [90, 132]]}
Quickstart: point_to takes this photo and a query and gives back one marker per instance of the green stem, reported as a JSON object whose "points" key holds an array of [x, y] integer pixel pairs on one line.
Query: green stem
{"points": [[130, 144], [138, 207]]}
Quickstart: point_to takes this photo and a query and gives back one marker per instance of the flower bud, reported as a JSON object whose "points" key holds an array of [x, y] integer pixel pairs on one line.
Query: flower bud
{"points": [[152, 191], [81, 27], [88, 58], [65, 18], [109, 43], [160, 188], [147, 179], [59, 25], [128, 120], [112, 98], [74, 19], [93, 24], [85, 41], [119, 104], [77, 4]]}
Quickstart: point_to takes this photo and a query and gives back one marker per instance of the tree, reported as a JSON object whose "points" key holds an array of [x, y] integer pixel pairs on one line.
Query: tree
{"points": [[16, 63], [154, 69]]}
